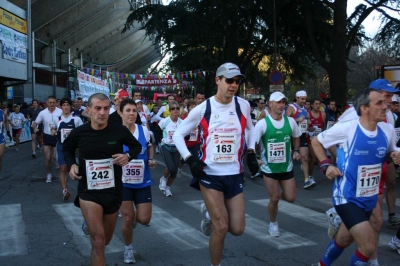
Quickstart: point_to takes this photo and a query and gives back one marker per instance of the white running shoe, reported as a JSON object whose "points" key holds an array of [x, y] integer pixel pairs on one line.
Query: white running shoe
{"points": [[206, 227], [66, 194], [163, 183], [394, 243], [334, 222], [203, 210], [48, 179], [129, 257], [167, 192], [274, 229]]}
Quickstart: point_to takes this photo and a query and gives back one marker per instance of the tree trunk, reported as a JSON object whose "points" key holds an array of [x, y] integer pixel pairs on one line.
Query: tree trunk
{"points": [[337, 69]]}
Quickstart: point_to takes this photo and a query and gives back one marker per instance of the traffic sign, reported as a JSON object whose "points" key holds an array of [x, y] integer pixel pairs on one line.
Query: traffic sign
{"points": [[274, 88], [276, 77]]}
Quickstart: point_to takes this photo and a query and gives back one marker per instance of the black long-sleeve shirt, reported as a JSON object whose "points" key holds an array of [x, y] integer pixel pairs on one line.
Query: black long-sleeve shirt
{"points": [[99, 144]]}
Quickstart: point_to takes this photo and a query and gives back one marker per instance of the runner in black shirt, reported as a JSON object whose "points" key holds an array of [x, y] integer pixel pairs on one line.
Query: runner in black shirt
{"points": [[99, 172]]}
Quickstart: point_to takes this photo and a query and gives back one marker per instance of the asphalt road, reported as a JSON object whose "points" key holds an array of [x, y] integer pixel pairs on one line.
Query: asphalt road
{"points": [[38, 228]]}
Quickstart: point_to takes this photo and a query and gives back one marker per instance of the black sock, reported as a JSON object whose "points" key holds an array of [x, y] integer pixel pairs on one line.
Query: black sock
{"points": [[391, 215]]}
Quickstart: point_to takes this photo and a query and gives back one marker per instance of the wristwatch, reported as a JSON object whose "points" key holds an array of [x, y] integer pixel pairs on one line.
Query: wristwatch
{"points": [[127, 154]]}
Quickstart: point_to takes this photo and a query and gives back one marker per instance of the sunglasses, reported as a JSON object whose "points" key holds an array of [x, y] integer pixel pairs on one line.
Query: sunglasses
{"points": [[174, 108], [231, 80], [261, 103]]}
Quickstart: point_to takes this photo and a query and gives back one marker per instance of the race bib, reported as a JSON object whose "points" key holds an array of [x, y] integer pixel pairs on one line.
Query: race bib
{"points": [[368, 177], [314, 133], [223, 147], [330, 124], [50, 127], [397, 130], [17, 122], [168, 139], [193, 134], [276, 152], [303, 126], [64, 133], [133, 172], [100, 174]]}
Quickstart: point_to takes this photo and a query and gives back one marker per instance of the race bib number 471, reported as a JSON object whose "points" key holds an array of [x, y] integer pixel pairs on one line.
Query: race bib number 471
{"points": [[100, 174]]}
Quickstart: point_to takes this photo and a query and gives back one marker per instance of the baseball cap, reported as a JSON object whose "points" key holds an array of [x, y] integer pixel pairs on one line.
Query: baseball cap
{"points": [[138, 101], [65, 100], [301, 94], [121, 93], [394, 98], [383, 84], [229, 70], [277, 96]]}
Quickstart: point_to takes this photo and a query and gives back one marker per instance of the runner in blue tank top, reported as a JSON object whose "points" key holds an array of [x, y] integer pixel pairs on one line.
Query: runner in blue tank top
{"points": [[362, 146]]}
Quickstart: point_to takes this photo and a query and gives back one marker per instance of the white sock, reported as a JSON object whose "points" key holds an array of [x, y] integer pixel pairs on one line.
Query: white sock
{"points": [[34, 153], [128, 247], [49, 175], [373, 262], [273, 223]]}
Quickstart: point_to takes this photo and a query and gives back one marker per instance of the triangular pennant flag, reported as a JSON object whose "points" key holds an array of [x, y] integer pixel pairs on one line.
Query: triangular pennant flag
{"points": [[204, 73]]}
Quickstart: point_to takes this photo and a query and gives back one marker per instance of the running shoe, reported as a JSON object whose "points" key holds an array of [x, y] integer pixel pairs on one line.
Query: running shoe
{"points": [[179, 175], [33, 155], [157, 150], [274, 229], [66, 194], [394, 220], [129, 257], [308, 184], [167, 192], [48, 179], [203, 210], [256, 175], [16, 150], [163, 183], [394, 243], [206, 227], [85, 228], [313, 183], [334, 222]]}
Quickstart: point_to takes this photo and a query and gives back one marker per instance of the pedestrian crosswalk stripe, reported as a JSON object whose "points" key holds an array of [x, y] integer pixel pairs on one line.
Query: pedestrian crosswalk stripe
{"points": [[73, 219], [383, 238], [12, 231], [176, 232], [259, 230]]}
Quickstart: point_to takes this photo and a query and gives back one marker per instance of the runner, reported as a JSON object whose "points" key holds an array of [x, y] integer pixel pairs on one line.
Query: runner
{"points": [[219, 171], [33, 112], [137, 180], [362, 147], [274, 133], [199, 97], [164, 111], [17, 120], [47, 117], [298, 111], [119, 97], [63, 126], [101, 158], [169, 152], [260, 111], [315, 127]]}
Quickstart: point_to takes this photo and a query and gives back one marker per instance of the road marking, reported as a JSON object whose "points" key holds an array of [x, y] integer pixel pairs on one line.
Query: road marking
{"points": [[259, 230], [383, 237], [73, 219], [12, 231], [177, 232]]}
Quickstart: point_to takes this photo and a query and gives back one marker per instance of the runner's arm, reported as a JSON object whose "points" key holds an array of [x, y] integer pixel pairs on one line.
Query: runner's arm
{"points": [[158, 117]]}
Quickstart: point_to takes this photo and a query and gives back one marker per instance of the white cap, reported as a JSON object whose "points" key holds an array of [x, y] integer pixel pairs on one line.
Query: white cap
{"points": [[277, 96], [394, 98], [229, 70], [301, 94], [138, 101]]}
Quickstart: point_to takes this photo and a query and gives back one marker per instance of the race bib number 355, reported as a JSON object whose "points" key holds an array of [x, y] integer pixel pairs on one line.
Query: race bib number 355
{"points": [[100, 174], [133, 172]]}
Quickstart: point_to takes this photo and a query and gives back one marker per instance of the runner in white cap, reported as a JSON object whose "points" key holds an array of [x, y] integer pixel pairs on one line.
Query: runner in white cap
{"points": [[298, 111], [274, 133]]}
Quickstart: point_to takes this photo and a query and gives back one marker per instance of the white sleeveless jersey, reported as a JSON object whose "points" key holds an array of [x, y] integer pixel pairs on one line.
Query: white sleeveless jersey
{"points": [[222, 136]]}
